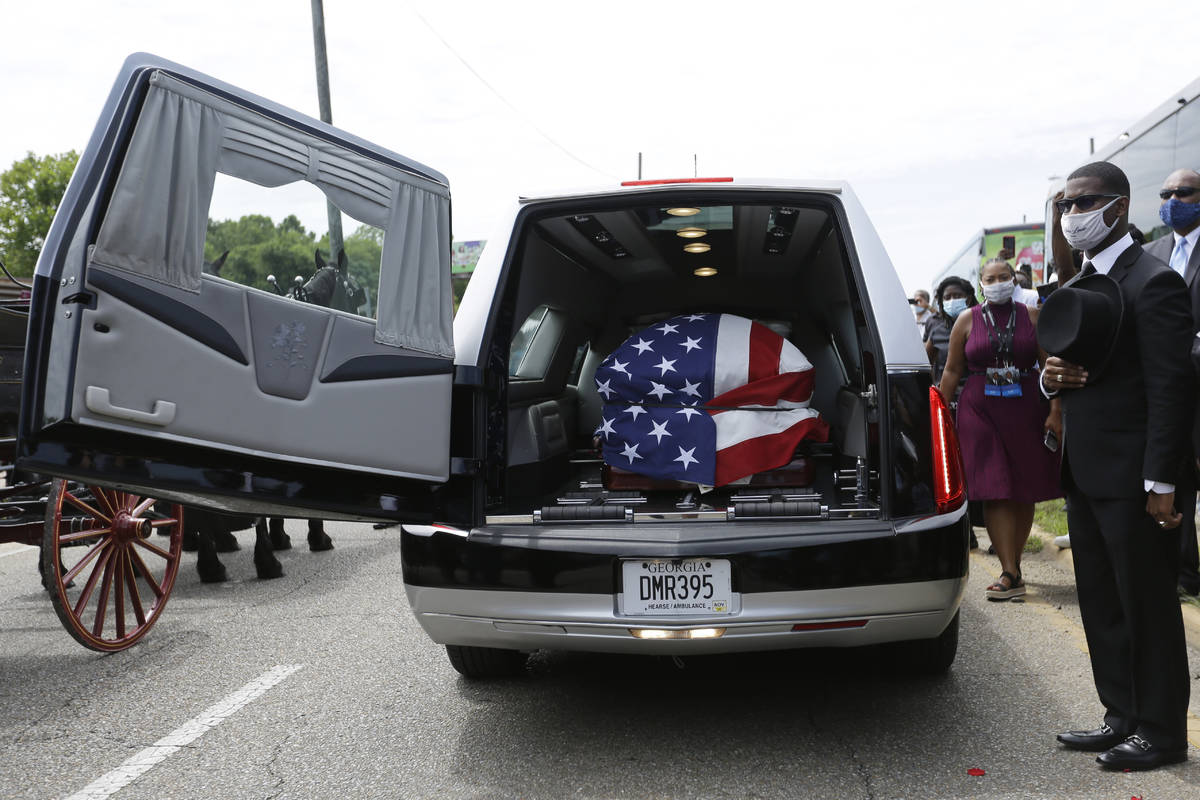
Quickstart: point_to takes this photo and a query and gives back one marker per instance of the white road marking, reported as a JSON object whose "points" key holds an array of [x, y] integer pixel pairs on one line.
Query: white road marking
{"points": [[143, 761], [12, 549]]}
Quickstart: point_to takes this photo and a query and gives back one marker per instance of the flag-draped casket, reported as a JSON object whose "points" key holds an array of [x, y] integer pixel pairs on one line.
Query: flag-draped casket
{"points": [[706, 399]]}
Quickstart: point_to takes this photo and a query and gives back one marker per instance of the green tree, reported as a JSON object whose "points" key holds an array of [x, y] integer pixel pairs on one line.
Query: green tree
{"points": [[30, 191]]}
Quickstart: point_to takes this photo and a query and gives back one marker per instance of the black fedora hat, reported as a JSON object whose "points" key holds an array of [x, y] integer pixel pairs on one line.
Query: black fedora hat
{"points": [[1079, 322]]}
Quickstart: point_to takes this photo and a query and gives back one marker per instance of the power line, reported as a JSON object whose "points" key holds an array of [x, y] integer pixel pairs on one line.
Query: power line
{"points": [[504, 99]]}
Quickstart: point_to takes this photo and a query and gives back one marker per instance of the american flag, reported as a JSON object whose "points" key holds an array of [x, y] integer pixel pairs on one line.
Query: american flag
{"points": [[707, 399]]}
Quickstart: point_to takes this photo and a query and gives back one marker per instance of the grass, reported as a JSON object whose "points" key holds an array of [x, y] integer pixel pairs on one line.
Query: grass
{"points": [[1050, 517]]}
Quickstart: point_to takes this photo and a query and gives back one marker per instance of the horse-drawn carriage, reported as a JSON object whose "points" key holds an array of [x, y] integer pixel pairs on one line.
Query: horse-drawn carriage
{"points": [[108, 578]]}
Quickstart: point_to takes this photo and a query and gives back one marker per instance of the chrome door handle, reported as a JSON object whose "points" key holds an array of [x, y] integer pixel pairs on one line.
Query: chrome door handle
{"points": [[98, 402]]}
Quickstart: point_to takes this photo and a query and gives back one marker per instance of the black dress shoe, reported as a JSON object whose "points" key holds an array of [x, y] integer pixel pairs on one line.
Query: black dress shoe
{"points": [[1137, 753], [1093, 741]]}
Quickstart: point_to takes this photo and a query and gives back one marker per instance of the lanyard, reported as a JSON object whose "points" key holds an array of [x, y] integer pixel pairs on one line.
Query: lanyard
{"points": [[1002, 341]]}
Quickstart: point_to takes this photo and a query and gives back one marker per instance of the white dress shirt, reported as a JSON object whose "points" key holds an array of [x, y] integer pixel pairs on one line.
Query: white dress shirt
{"points": [[1191, 238], [1103, 262]]}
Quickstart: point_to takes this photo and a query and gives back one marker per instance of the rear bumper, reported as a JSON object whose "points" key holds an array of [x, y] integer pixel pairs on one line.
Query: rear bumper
{"points": [[589, 622], [531, 587]]}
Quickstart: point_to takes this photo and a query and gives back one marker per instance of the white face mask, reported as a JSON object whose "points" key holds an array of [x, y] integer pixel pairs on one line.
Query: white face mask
{"points": [[1085, 231], [998, 293]]}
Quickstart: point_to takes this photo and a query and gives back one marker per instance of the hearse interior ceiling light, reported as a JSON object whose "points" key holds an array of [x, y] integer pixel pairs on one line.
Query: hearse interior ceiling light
{"points": [[704, 272], [691, 233], [591, 229], [781, 223], [697, 247], [683, 211]]}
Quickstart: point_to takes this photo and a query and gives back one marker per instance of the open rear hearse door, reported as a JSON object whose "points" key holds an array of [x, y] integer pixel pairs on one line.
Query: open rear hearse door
{"points": [[146, 373]]}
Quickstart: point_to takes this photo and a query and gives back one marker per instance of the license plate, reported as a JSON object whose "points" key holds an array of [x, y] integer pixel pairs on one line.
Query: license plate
{"points": [[677, 587]]}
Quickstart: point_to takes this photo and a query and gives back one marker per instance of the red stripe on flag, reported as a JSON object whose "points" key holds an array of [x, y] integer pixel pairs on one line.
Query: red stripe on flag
{"points": [[794, 386], [766, 452], [765, 346]]}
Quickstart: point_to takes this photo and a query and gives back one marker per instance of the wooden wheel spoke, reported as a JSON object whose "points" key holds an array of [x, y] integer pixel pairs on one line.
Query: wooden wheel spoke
{"points": [[90, 586], [103, 499], [135, 597], [160, 523], [83, 562], [119, 592], [80, 535], [158, 551], [102, 604], [142, 507], [75, 501], [136, 562]]}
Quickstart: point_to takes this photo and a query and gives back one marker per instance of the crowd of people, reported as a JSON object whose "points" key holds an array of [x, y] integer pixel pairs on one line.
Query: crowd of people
{"points": [[1086, 391]]}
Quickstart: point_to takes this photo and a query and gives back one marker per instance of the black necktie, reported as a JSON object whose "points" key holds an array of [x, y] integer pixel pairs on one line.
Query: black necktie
{"points": [[1088, 269]]}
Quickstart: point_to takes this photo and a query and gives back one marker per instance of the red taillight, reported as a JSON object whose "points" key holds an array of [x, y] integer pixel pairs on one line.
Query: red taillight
{"points": [[949, 480], [829, 626], [675, 180]]}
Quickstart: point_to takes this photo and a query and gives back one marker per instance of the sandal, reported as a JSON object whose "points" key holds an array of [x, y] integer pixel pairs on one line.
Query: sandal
{"points": [[1002, 591]]}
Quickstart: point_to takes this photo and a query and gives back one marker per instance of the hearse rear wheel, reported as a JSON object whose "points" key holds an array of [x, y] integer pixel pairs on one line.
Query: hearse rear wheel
{"points": [[485, 662], [928, 656]]}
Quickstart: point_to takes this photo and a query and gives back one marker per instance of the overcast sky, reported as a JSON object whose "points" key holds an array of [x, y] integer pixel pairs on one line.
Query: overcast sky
{"points": [[945, 117]]}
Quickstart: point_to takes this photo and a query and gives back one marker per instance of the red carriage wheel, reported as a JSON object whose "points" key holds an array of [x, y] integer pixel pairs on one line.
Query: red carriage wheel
{"points": [[108, 580]]}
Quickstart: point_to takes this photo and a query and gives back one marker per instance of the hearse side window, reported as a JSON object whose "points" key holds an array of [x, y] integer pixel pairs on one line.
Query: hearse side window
{"points": [[250, 246], [535, 343], [157, 219], [577, 364]]}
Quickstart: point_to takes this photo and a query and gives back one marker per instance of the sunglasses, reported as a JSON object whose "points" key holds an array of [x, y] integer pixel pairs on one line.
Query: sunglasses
{"points": [[1180, 192], [1085, 202]]}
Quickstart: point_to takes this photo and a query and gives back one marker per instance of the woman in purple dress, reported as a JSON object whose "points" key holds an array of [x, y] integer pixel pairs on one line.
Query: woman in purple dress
{"points": [[1003, 419]]}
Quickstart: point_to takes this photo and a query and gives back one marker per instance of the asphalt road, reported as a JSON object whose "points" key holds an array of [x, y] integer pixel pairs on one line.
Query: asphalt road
{"points": [[321, 684]]}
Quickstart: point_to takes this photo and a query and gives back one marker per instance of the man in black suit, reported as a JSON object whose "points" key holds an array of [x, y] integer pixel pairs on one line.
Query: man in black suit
{"points": [[1180, 212], [1125, 445]]}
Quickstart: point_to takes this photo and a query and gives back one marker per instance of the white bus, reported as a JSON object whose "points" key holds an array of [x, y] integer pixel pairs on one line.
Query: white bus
{"points": [[1166, 139]]}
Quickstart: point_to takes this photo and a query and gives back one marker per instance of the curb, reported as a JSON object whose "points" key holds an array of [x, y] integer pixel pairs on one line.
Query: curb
{"points": [[1191, 613]]}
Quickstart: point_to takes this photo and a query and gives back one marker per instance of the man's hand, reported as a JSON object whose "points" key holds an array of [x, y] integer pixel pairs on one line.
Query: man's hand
{"points": [[1162, 508], [1059, 374]]}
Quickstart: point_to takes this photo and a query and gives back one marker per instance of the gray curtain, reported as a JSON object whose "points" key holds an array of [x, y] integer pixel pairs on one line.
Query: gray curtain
{"points": [[157, 219]]}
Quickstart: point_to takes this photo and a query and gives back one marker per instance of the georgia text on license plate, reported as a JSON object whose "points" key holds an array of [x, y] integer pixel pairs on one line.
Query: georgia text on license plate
{"points": [[677, 587]]}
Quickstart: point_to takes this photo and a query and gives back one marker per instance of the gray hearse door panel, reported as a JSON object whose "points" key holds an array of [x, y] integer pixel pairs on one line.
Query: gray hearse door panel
{"points": [[133, 342]]}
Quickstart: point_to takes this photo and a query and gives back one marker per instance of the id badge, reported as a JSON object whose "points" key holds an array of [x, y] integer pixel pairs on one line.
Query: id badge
{"points": [[1002, 382]]}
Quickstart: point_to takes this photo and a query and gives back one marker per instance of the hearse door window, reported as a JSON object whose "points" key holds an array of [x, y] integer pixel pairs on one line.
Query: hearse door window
{"points": [[158, 215]]}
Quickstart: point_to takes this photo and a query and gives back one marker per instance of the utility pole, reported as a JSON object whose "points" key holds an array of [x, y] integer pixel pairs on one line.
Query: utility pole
{"points": [[318, 19]]}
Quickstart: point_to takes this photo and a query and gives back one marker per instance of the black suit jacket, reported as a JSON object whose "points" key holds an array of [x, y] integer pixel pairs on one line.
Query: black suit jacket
{"points": [[1161, 249], [1132, 422]]}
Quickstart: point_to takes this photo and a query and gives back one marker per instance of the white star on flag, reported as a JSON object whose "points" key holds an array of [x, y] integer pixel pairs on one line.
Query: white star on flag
{"points": [[603, 388], [688, 411], [635, 410], [686, 457], [642, 346], [667, 328], [630, 452], [659, 391], [660, 430], [692, 344], [689, 388], [605, 428], [620, 367], [694, 317], [665, 366]]}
